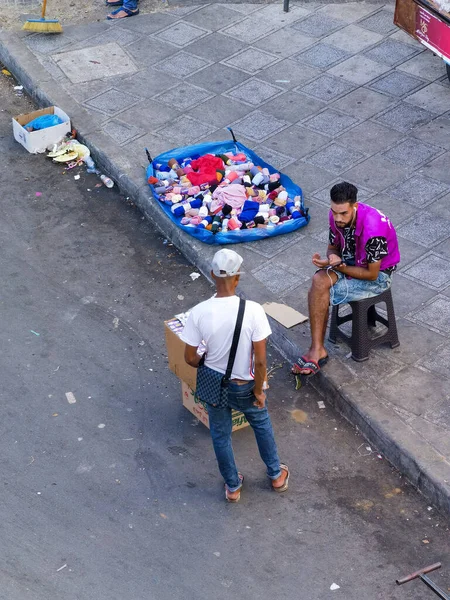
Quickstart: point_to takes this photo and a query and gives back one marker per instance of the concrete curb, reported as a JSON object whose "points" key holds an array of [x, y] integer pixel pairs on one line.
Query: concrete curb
{"points": [[425, 468]]}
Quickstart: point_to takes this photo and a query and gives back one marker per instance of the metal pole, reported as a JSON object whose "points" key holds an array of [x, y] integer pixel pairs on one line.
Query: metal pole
{"points": [[286, 6], [437, 590]]}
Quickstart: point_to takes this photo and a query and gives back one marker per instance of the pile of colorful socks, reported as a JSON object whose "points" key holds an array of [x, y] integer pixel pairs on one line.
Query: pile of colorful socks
{"points": [[223, 193]]}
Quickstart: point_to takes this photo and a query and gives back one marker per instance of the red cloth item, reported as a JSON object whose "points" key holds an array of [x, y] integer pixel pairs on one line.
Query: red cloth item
{"points": [[205, 169]]}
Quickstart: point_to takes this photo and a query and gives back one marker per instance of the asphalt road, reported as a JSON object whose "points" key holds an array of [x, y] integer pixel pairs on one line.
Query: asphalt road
{"points": [[117, 495]]}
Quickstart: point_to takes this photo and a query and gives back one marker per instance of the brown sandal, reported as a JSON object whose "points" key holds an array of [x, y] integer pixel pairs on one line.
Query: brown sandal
{"points": [[238, 497]]}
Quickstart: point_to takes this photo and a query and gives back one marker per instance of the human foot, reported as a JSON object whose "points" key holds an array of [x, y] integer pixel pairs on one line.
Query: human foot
{"points": [[309, 364], [234, 497], [280, 484], [122, 13]]}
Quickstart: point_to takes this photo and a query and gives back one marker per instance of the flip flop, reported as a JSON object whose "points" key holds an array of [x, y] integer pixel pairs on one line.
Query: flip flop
{"points": [[313, 366], [119, 3], [285, 485], [129, 13], [234, 500]]}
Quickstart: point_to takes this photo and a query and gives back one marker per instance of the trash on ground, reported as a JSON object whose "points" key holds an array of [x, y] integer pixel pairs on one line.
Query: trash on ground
{"points": [[38, 194], [334, 586], [194, 276], [287, 316], [43, 122], [70, 398], [180, 297], [6, 72], [101, 426], [35, 332], [38, 140], [321, 404], [364, 450], [77, 177], [61, 568], [18, 87], [107, 181]]}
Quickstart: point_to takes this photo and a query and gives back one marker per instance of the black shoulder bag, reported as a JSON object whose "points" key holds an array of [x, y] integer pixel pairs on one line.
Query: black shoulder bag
{"points": [[212, 386]]}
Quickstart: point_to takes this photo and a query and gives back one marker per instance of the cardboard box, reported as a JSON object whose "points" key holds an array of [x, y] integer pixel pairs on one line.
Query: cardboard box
{"points": [[38, 141], [198, 409], [175, 353]]}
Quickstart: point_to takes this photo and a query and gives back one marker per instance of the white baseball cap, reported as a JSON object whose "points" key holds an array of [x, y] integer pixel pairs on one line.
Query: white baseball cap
{"points": [[226, 263]]}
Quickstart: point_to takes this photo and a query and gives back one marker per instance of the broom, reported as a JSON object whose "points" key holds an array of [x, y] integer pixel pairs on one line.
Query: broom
{"points": [[43, 25]]}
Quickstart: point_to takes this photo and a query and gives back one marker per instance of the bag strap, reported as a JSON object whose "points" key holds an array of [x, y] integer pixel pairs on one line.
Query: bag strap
{"points": [[235, 342]]}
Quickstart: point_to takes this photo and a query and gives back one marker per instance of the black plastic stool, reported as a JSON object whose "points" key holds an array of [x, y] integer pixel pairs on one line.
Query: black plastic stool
{"points": [[363, 316]]}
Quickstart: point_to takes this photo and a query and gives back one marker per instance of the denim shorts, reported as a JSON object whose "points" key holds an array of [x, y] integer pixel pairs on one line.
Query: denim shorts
{"points": [[350, 290]]}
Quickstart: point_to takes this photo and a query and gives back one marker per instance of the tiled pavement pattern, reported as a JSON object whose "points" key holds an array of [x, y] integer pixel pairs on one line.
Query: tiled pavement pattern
{"points": [[326, 92]]}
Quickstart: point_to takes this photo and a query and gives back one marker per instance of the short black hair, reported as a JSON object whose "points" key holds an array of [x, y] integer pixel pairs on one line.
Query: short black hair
{"points": [[344, 192]]}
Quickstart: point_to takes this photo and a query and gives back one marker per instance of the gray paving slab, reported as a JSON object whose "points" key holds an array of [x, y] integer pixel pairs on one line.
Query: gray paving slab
{"points": [[369, 137], [418, 190], [383, 100]]}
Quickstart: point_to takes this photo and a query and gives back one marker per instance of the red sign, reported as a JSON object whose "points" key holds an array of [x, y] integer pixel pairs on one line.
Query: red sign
{"points": [[433, 33]]}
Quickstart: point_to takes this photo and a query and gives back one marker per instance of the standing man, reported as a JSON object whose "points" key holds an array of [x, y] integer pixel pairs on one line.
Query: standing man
{"points": [[362, 254], [213, 322]]}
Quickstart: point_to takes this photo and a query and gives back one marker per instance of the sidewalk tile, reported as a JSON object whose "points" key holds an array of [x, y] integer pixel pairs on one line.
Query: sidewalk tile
{"points": [[353, 39], [47, 44], [147, 24], [410, 389], [146, 51], [411, 153], [246, 31], [435, 314], [219, 111], [276, 279], [181, 34], [108, 60], [434, 98], [326, 88], [362, 103], [437, 132], [114, 34], [293, 107], [88, 30], [350, 11], [183, 96], [290, 42], [397, 211], [330, 122], [391, 52], [358, 69], [274, 158], [321, 56], [146, 83], [210, 17], [369, 137], [84, 91], [245, 8], [112, 102], [296, 141], [404, 117], [215, 47], [254, 92], [402, 36], [425, 229], [431, 270], [273, 246], [441, 206], [397, 84], [438, 361], [323, 196], [184, 130], [258, 125], [417, 190], [309, 177], [380, 22], [251, 60], [376, 173], [335, 158], [274, 13], [438, 168], [424, 65], [409, 295], [121, 132], [318, 25], [289, 74], [182, 64]]}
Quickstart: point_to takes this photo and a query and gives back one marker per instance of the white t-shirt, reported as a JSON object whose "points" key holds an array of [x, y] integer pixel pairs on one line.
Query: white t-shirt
{"points": [[213, 322]]}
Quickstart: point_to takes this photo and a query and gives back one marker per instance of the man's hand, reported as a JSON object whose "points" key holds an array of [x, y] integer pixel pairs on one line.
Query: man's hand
{"points": [[260, 399], [320, 262], [334, 260]]}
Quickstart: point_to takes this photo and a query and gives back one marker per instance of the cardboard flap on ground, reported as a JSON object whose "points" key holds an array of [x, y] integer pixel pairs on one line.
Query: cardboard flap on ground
{"points": [[175, 354], [38, 141], [287, 316]]}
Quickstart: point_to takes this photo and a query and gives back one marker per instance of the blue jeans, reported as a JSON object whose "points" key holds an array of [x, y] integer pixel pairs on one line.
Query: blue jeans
{"points": [[130, 4], [240, 397], [349, 290]]}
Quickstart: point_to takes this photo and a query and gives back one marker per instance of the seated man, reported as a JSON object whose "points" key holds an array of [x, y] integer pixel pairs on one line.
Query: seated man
{"points": [[361, 257]]}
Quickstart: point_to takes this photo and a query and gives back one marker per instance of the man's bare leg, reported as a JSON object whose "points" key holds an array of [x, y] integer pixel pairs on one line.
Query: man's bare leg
{"points": [[318, 304]]}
